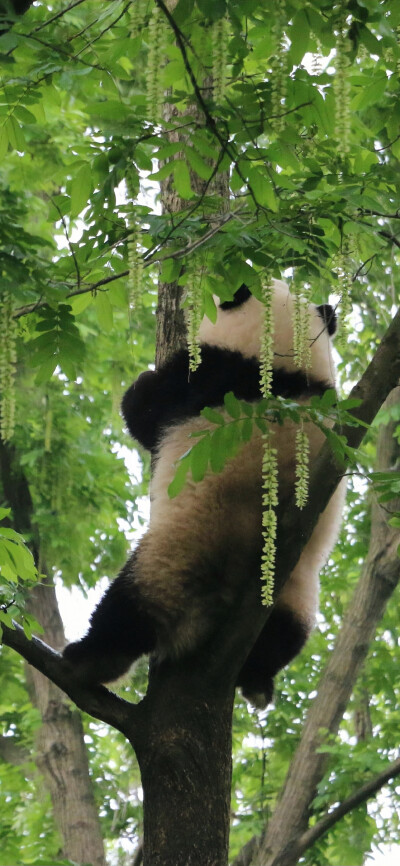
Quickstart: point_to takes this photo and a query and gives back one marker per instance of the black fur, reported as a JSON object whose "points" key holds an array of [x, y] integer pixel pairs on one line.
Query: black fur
{"points": [[241, 295], [281, 639], [171, 394], [329, 317], [120, 632]]}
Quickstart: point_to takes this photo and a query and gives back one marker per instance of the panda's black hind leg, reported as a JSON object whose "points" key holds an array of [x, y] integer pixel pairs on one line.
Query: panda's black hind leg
{"points": [[280, 640], [120, 632]]}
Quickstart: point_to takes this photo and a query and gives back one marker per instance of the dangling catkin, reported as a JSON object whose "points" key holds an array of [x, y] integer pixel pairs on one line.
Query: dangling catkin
{"points": [[220, 39], [279, 69], [194, 295], [8, 360], [267, 339], [302, 467], [135, 261], [341, 84], [138, 11], [269, 502], [157, 34], [343, 270], [301, 326], [135, 258]]}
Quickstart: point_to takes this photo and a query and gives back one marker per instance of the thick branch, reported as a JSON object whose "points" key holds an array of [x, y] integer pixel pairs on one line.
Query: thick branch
{"points": [[96, 700], [380, 576], [297, 847]]}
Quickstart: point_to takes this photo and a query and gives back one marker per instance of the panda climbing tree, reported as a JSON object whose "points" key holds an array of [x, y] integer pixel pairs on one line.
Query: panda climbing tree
{"points": [[203, 545]]}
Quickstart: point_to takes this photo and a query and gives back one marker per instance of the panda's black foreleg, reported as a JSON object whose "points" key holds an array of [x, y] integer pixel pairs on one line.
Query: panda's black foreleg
{"points": [[120, 631], [279, 642]]}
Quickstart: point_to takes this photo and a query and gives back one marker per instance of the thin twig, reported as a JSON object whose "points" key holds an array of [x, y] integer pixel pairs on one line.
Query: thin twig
{"points": [[355, 799], [298, 845], [56, 16], [93, 287], [71, 249]]}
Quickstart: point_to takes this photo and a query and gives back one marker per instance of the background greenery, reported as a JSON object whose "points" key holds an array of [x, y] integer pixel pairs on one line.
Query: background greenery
{"points": [[314, 191]]}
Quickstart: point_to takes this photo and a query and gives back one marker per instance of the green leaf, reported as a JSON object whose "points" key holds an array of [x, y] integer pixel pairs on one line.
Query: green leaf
{"points": [[104, 312], [6, 619], [81, 188], [246, 429], [81, 302], [182, 179], [179, 480], [212, 415], [210, 309], [197, 163], [218, 455], [262, 188], [4, 140], [199, 458], [300, 35], [212, 9], [46, 370], [15, 134], [170, 270], [232, 405]]}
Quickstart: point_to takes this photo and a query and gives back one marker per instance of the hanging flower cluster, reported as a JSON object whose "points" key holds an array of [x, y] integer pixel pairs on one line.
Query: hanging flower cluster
{"points": [[341, 84], [195, 304], [267, 339], [135, 261], [48, 427], [279, 69], [156, 36], [302, 467], [135, 258], [220, 39], [139, 11], [343, 270], [269, 521], [8, 360], [301, 325]]}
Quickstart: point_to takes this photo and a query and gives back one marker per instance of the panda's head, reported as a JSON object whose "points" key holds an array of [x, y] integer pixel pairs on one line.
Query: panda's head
{"points": [[239, 328]]}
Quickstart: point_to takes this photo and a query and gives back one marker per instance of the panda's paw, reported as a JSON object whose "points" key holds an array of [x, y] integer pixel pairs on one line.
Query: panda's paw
{"points": [[92, 665], [83, 662], [259, 696]]}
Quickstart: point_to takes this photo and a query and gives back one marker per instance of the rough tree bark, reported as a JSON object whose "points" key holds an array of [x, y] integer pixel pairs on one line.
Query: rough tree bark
{"points": [[61, 754]]}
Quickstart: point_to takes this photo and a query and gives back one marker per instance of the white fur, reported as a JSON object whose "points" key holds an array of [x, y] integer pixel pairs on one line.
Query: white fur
{"points": [[224, 511], [241, 328]]}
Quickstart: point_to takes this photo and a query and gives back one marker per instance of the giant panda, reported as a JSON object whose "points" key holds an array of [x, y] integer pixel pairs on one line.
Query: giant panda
{"points": [[184, 575]]}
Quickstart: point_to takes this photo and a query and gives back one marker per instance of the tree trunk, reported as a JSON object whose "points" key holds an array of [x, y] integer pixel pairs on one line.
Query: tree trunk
{"points": [[61, 751], [185, 747], [184, 753], [60, 748]]}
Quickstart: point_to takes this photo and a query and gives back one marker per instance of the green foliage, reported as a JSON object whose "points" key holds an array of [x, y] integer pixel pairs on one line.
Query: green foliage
{"points": [[214, 447], [313, 192], [17, 574]]}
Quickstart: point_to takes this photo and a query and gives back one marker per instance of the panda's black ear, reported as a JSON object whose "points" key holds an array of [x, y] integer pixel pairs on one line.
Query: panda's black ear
{"points": [[328, 316], [242, 295]]}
